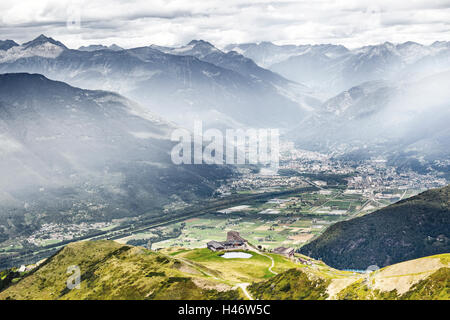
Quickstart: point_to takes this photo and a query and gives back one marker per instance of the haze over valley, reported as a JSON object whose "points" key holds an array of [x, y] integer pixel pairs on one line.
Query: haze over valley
{"points": [[86, 153]]}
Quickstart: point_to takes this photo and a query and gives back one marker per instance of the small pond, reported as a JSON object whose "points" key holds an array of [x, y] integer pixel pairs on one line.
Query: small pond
{"points": [[233, 255]]}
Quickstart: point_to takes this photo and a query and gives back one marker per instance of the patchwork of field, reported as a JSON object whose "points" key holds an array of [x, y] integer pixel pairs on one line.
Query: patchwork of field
{"points": [[289, 221], [267, 233]]}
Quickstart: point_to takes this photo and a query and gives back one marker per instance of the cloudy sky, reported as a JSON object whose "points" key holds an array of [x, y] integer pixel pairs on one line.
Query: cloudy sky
{"points": [[142, 22]]}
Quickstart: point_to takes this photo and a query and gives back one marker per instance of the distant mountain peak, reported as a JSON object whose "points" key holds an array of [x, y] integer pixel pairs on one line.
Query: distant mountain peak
{"points": [[266, 43], [42, 39], [196, 48], [199, 42], [7, 44], [41, 46], [440, 44], [202, 45], [95, 47], [410, 43], [115, 47]]}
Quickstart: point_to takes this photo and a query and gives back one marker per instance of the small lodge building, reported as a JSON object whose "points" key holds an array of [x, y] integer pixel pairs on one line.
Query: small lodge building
{"points": [[234, 242], [215, 246], [287, 252], [234, 236]]}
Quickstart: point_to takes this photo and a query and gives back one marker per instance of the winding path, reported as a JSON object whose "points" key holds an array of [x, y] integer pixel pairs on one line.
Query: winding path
{"points": [[251, 248], [273, 263], [244, 286]]}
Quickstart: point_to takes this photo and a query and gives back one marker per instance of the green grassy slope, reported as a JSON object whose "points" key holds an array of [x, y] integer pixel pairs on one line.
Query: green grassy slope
{"points": [[409, 229], [293, 284], [235, 271], [434, 287], [113, 271], [110, 270], [426, 278]]}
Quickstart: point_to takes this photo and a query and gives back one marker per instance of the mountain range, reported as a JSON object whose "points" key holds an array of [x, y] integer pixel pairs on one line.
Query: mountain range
{"points": [[110, 155], [334, 68], [7, 44], [396, 121], [96, 47], [71, 155], [206, 83], [378, 99]]}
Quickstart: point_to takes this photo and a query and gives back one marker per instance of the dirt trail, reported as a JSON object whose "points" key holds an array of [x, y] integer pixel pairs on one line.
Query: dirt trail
{"points": [[244, 286], [250, 248]]}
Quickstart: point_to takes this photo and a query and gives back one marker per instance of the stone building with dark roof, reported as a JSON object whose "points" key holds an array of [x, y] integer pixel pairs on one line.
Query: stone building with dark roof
{"points": [[287, 252], [234, 242]]}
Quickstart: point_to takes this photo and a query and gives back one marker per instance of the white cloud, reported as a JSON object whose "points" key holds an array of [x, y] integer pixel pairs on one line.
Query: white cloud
{"points": [[137, 23]]}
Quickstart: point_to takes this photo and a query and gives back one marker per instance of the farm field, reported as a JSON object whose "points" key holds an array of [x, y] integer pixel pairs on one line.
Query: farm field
{"points": [[289, 221]]}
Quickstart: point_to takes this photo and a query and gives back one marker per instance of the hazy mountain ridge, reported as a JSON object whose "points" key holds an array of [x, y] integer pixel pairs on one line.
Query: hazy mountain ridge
{"points": [[169, 84], [42, 46], [394, 120], [267, 54], [95, 47], [383, 99], [231, 60], [71, 155], [7, 44], [335, 68]]}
